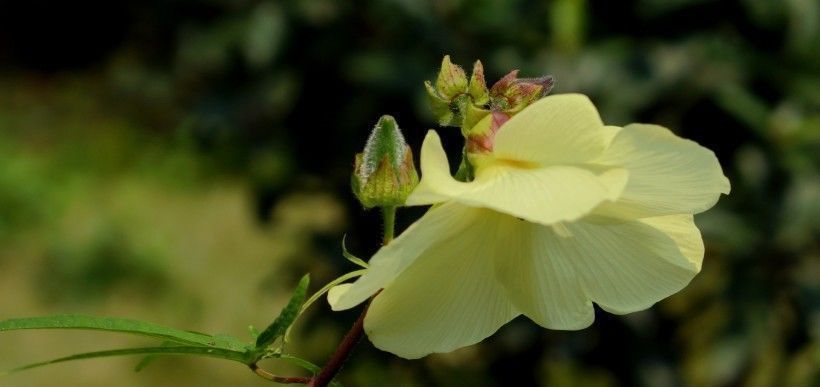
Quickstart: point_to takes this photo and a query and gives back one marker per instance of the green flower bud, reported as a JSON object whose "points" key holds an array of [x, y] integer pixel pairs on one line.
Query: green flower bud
{"points": [[451, 79], [384, 173], [454, 100]]}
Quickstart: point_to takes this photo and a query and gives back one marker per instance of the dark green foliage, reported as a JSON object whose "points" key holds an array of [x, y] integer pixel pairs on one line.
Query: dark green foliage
{"points": [[109, 261]]}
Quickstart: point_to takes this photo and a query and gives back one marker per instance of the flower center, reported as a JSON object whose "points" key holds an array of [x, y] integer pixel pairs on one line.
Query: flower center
{"points": [[484, 162]]}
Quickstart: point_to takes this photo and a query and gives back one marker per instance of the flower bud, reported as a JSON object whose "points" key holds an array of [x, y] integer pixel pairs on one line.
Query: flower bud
{"points": [[454, 100], [511, 94], [384, 174]]}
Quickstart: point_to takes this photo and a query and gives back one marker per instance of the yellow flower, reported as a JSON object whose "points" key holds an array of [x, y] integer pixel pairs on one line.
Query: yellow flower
{"points": [[563, 212]]}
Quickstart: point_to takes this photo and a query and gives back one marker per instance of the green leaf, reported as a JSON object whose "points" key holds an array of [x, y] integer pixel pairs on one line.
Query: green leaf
{"points": [[350, 257], [220, 353], [134, 327], [286, 317]]}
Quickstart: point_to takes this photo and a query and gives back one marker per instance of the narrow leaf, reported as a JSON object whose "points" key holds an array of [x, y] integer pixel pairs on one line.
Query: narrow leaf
{"points": [[286, 316], [196, 351], [119, 325], [350, 257]]}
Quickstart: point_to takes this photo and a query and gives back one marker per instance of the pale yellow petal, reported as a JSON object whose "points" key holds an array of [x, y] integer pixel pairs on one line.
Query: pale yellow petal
{"points": [[337, 291], [447, 298], [558, 129], [543, 286], [543, 195], [682, 229], [626, 266], [435, 174], [437, 226], [667, 174]]}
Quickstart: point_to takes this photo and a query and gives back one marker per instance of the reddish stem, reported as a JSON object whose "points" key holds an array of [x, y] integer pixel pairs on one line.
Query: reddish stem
{"points": [[343, 351]]}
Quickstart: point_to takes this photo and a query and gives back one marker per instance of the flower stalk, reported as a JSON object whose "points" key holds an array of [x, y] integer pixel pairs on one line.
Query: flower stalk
{"points": [[389, 217]]}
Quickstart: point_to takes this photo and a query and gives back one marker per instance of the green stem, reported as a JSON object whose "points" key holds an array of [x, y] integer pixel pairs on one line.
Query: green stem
{"points": [[389, 215]]}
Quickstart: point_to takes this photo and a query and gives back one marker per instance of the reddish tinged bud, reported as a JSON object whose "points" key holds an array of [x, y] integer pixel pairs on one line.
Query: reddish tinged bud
{"points": [[511, 94], [502, 84]]}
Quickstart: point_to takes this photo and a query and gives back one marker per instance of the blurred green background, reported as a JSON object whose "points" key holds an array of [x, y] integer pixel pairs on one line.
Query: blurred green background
{"points": [[185, 161]]}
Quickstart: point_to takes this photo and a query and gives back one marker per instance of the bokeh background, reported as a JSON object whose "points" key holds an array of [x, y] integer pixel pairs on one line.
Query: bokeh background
{"points": [[185, 162]]}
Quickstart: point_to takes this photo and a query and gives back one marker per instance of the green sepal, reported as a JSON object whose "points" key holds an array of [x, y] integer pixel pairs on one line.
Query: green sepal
{"points": [[440, 106], [478, 85], [451, 80]]}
